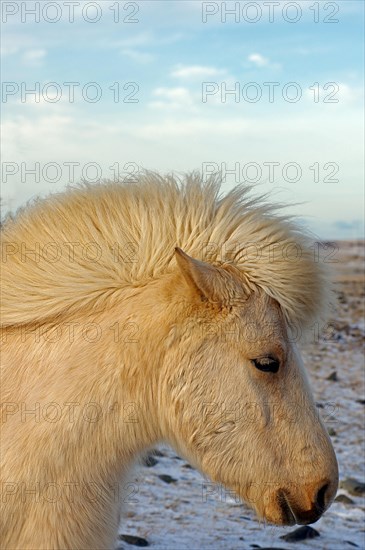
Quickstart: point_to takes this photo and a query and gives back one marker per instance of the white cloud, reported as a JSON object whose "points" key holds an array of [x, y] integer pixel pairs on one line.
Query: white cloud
{"points": [[9, 49], [348, 93], [34, 58], [172, 98], [181, 94], [192, 71], [261, 61], [26, 128], [258, 59], [335, 93]]}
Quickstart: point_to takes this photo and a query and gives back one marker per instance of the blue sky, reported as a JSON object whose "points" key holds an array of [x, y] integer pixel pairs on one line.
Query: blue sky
{"points": [[293, 126]]}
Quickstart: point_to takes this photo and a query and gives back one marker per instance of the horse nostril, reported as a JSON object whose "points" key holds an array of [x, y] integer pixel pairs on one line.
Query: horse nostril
{"points": [[320, 500]]}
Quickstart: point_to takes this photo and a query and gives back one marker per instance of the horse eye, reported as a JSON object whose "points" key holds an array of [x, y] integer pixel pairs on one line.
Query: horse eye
{"points": [[266, 364]]}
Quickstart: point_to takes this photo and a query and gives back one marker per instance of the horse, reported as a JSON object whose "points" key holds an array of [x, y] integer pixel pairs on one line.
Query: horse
{"points": [[156, 310]]}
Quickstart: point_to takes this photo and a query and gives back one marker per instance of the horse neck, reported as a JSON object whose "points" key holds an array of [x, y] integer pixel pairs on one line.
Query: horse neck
{"points": [[101, 371], [97, 377], [130, 354]]}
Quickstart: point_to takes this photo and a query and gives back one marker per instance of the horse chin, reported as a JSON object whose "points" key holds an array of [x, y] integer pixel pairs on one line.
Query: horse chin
{"points": [[278, 516], [281, 511], [276, 509]]}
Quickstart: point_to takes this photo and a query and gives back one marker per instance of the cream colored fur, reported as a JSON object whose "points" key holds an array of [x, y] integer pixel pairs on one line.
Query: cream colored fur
{"points": [[136, 227], [147, 344]]}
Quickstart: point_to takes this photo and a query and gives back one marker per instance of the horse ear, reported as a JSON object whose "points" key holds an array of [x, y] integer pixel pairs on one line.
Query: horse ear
{"points": [[209, 281]]}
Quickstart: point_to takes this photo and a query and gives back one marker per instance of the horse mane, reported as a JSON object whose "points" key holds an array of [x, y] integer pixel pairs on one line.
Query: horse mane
{"points": [[81, 248]]}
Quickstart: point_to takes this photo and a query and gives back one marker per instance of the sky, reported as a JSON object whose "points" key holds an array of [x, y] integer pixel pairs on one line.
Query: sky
{"points": [[270, 93]]}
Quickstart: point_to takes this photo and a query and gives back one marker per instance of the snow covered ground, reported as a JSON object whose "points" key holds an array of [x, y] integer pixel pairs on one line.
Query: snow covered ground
{"points": [[190, 513]]}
